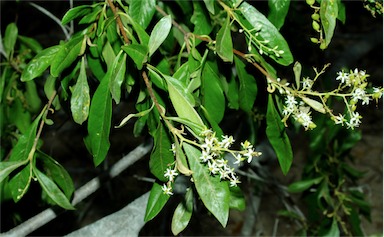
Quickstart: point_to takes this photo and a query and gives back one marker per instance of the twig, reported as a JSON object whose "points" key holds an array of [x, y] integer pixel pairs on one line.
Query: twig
{"points": [[118, 21], [87, 189]]}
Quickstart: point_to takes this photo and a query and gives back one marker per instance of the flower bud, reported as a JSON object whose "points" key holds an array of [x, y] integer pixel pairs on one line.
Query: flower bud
{"points": [[310, 2], [315, 26], [314, 40], [323, 46], [315, 16]]}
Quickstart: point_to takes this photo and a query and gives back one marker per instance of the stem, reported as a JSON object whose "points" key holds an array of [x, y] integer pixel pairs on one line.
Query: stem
{"points": [[118, 21]]}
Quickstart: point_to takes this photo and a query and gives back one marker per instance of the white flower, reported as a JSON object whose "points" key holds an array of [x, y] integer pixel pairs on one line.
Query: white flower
{"points": [[205, 156], [249, 155], [304, 118], [234, 181], [343, 77], [226, 142], [366, 100], [245, 145], [358, 94], [239, 159], [354, 121], [170, 173], [206, 132], [378, 92], [208, 144], [167, 189], [212, 167], [307, 83], [339, 119]]}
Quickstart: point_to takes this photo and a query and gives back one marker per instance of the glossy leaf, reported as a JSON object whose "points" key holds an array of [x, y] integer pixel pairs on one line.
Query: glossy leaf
{"points": [[159, 34], [117, 76], [237, 199], [7, 167], [57, 173], [328, 15], [39, 63], [32, 96], [333, 230], [80, 100], [66, 55], [316, 105], [52, 190], [143, 36], [161, 156], [210, 5], [253, 19], [31, 43], [138, 53], [20, 183], [278, 10], [200, 19], [75, 12], [278, 137], [23, 147], [212, 94], [182, 214], [99, 121], [303, 185], [224, 47], [142, 11], [183, 107], [213, 192], [156, 201], [247, 86], [10, 38]]}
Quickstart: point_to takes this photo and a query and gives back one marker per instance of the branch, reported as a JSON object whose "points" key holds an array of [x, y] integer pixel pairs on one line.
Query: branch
{"points": [[118, 21]]}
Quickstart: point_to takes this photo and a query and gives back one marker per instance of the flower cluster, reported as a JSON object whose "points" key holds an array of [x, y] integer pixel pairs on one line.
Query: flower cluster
{"points": [[352, 89], [213, 150], [170, 173]]}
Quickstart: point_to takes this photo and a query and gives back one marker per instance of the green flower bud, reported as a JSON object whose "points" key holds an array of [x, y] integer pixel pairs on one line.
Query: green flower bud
{"points": [[314, 40], [312, 126], [315, 26], [315, 17], [310, 2], [323, 46]]}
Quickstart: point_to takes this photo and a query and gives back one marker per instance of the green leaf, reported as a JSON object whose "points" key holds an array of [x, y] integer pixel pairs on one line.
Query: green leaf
{"points": [[108, 54], [31, 43], [210, 5], [278, 137], [224, 47], [252, 19], [183, 213], [99, 121], [213, 192], [232, 93], [236, 200], [143, 36], [52, 190], [75, 12], [328, 15], [66, 55], [334, 230], [7, 167], [156, 201], [138, 53], [142, 11], [25, 143], [303, 185], [183, 107], [80, 99], [161, 155], [39, 63], [159, 34], [32, 96], [117, 76], [19, 184], [200, 19], [10, 38], [212, 94], [57, 173], [278, 10], [247, 86]]}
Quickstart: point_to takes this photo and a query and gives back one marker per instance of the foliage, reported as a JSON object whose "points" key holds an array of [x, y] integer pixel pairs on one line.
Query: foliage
{"points": [[186, 73]]}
